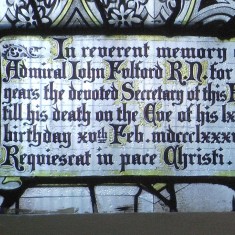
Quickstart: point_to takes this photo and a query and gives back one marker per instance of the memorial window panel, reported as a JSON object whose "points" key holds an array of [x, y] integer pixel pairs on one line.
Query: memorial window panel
{"points": [[112, 106]]}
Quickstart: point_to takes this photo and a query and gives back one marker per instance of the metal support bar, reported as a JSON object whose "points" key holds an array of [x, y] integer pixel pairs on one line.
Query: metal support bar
{"points": [[150, 189], [172, 202], [93, 199], [10, 198], [136, 200]]}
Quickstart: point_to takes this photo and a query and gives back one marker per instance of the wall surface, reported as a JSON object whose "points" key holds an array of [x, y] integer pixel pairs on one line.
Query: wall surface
{"points": [[139, 224]]}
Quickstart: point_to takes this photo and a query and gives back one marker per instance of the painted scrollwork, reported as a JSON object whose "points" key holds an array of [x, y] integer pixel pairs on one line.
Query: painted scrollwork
{"points": [[116, 13], [18, 52], [205, 12], [123, 16], [222, 10], [49, 3], [21, 14], [137, 12]]}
